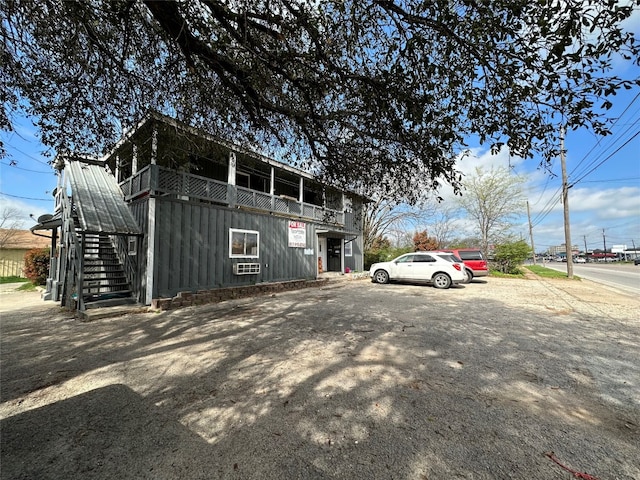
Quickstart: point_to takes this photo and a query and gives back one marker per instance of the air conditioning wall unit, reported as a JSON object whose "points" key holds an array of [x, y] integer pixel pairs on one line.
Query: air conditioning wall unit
{"points": [[246, 268]]}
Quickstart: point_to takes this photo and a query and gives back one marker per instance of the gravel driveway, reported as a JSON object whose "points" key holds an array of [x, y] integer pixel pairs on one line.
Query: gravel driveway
{"points": [[507, 379]]}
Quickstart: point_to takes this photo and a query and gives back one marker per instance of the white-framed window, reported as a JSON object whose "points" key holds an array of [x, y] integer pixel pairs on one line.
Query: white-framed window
{"points": [[348, 249], [244, 243]]}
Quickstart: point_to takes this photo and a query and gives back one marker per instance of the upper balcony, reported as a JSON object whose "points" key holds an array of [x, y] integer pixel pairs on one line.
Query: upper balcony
{"points": [[162, 181]]}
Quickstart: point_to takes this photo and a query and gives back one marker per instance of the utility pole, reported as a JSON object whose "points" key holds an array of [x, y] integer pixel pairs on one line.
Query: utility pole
{"points": [[586, 254], [604, 242], [565, 203], [533, 248]]}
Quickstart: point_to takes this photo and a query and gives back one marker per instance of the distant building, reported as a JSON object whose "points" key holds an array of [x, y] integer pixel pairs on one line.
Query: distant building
{"points": [[561, 250], [15, 245]]}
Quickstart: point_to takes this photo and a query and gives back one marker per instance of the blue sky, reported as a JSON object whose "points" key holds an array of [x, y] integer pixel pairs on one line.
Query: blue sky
{"points": [[605, 199]]}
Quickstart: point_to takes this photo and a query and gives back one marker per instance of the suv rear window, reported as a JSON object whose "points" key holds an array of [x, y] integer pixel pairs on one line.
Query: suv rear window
{"points": [[450, 257], [470, 255]]}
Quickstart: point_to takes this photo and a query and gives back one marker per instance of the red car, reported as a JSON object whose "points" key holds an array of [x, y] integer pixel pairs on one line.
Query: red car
{"points": [[474, 261]]}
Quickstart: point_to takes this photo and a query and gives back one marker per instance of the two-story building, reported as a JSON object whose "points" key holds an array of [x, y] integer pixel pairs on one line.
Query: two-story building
{"points": [[172, 209]]}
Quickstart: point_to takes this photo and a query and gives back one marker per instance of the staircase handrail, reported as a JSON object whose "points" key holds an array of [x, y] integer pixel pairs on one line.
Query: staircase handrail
{"points": [[120, 243], [74, 255]]}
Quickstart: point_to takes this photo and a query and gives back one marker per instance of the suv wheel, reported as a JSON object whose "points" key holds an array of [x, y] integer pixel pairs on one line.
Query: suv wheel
{"points": [[441, 280], [381, 276]]}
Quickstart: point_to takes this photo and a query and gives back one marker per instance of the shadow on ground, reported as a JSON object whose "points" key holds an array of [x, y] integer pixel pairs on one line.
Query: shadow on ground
{"points": [[356, 381]]}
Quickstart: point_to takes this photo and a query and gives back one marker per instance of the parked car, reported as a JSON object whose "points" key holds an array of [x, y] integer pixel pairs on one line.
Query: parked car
{"points": [[419, 267], [636, 261], [474, 261], [579, 260]]}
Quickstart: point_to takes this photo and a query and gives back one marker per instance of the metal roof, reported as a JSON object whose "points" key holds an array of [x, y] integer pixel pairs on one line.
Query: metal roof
{"points": [[99, 200]]}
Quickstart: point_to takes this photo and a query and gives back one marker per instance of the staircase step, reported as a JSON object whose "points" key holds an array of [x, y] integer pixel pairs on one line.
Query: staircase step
{"points": [[99, 267], [105, 283], [111, 311], [109, 302], [99, 289], [120, 287], [98, 261], [104, 279], [105, 294], [97, 275]]}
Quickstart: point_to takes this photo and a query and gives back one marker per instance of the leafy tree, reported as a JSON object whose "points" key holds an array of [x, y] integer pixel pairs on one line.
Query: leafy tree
{"points": [[364, 92], [423, 242], [381, 243], [377, 251], [510, 256], [36, 265], [382, 251], [492, 198]]}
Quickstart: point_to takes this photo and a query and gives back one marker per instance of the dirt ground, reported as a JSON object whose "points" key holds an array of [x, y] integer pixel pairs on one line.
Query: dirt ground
{"points": [[349, 381]]}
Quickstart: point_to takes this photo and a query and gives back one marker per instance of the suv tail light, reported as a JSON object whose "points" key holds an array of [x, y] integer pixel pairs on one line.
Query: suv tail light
{"points": [[457, 266]]}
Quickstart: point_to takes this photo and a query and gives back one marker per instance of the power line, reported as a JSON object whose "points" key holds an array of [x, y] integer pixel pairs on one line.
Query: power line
{"points": [[26, 169], [615, 139], [546, 210], [611, 227], [606, 158], [27, 198], [613, 125], [28, 155], [612, 180]]}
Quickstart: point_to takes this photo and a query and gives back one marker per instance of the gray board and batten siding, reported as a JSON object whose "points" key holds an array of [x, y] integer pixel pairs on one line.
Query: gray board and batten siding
{"points": [[191, 247]]}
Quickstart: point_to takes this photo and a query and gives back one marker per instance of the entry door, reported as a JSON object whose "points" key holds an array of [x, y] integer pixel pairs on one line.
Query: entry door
{"points": [[334, 254]]}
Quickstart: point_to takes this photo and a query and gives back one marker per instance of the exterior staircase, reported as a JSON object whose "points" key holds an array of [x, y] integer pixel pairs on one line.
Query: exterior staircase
{"points": [[104, 280]]}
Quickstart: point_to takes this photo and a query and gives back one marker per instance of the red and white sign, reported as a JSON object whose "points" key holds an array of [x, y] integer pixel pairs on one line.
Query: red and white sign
{"points": [[297, 234]]}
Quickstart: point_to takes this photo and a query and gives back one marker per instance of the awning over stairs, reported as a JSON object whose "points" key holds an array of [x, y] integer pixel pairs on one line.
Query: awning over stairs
{"points": [[99, 201]]}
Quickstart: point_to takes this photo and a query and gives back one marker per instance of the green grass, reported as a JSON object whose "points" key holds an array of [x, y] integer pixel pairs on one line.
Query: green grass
{"points": [[499, 274], [13, 279], [548, 272], [27, 287]]}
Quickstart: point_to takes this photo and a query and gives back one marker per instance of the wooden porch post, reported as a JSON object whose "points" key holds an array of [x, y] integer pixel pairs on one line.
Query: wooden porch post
{"points": [[301, 193], [154, 146], [151, 246], [134, 160], [231, 180]]}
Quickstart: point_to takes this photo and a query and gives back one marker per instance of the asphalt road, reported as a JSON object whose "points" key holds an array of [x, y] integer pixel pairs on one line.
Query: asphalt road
{"points": [[623, 276]]}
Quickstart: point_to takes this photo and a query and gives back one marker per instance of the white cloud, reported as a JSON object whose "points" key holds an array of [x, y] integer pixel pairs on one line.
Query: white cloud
{"points": [[482, 158], [608, 203]]}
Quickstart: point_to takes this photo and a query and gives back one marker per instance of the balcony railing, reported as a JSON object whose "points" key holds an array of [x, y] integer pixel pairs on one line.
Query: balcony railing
{"points": [[157, 180]]}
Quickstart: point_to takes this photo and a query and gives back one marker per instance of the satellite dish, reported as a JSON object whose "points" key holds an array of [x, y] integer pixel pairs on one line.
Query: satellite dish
{"points": [[45, 218]]}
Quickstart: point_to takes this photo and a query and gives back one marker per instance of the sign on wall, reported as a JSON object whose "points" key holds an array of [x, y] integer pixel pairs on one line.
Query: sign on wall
{"points": [[297, 234]]}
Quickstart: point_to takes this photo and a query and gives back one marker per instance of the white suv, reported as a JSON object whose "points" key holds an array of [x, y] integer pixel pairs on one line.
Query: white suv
{"points": [[419, 267]]}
